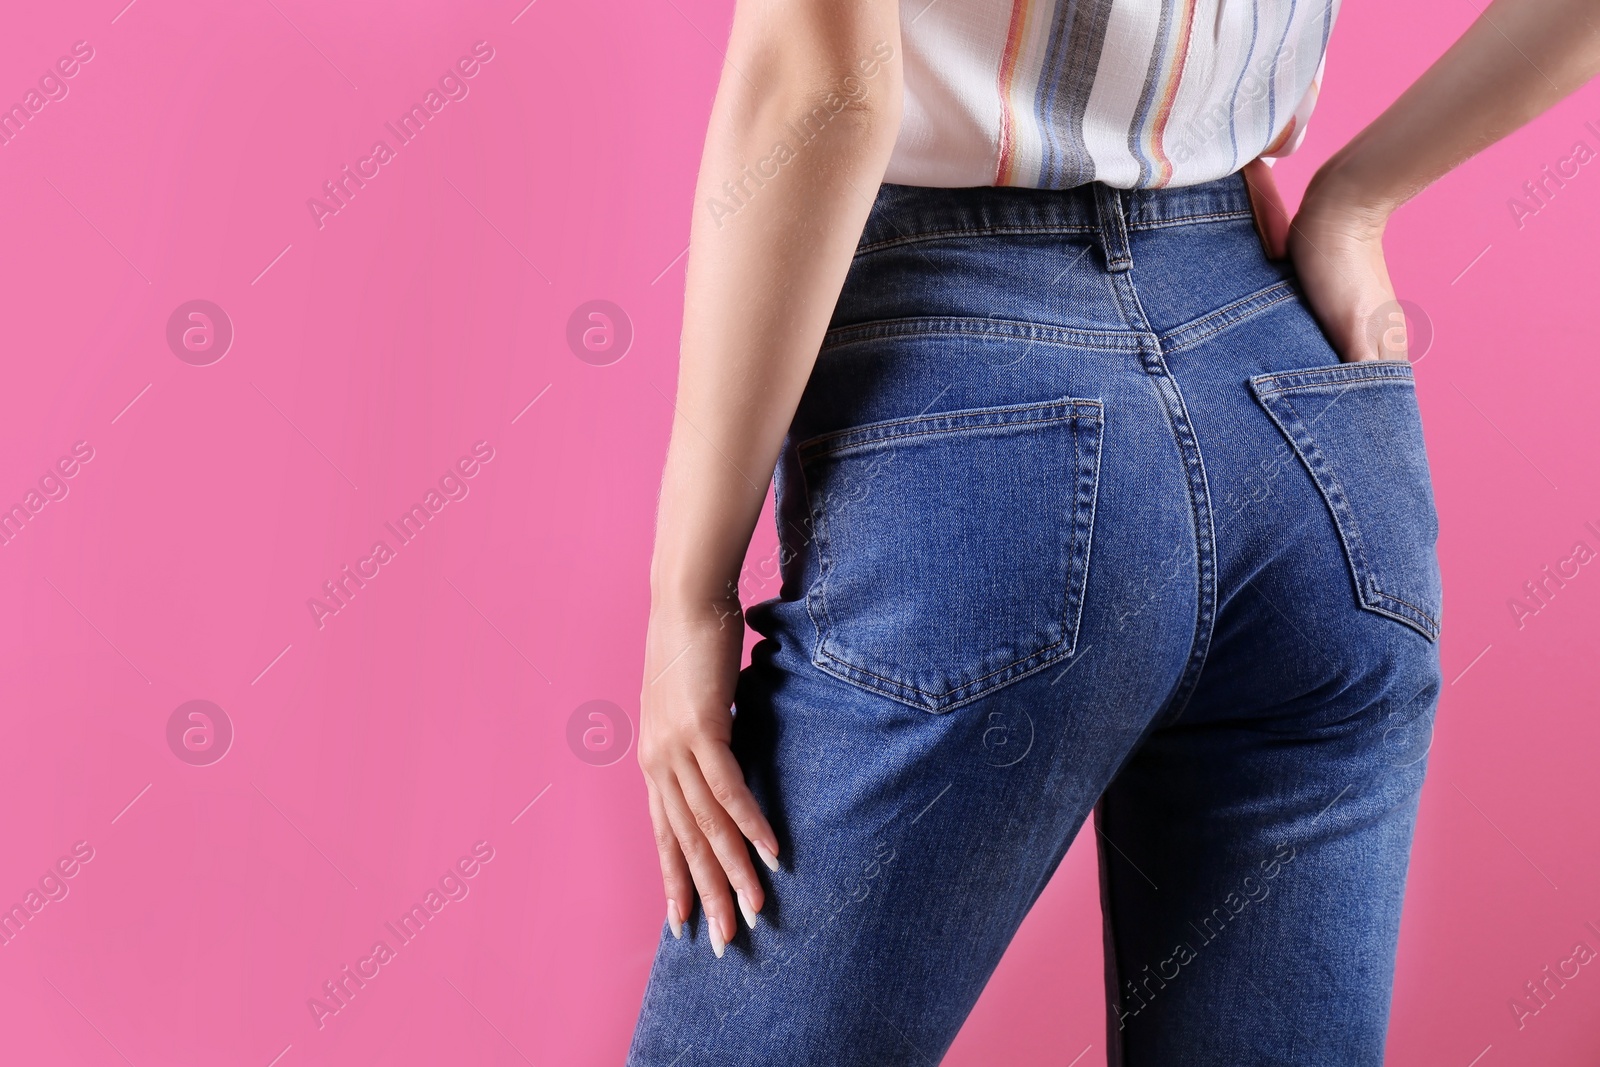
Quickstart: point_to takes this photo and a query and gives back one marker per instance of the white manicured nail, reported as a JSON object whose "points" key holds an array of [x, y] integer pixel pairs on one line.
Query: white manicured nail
{"points": [[745, 910], [766, 857], [674, 921], [717, 941]]}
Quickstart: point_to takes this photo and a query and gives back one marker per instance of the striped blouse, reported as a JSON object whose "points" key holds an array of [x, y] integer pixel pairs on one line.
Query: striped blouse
{"points": [[1132, 93]]}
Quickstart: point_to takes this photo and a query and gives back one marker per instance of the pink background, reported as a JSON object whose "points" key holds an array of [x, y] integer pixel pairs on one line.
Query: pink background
{"points": [[426, 315]]}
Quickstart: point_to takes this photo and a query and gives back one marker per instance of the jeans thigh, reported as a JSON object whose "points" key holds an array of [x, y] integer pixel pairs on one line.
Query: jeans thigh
{"points": [[1273, 818], [1252, 901], [912, 844]]}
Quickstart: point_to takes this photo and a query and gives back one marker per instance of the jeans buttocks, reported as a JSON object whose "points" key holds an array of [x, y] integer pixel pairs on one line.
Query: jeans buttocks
{"points": [[1357, 429], [953, 548]]}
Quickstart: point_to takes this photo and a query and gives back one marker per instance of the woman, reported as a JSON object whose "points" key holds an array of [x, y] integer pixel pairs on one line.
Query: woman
{"points": [[1099, 487]]}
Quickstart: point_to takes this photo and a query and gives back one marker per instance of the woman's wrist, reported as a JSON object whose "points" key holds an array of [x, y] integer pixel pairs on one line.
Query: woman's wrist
{"points": [[1366, 177], [678, 623], [1344, 191]]}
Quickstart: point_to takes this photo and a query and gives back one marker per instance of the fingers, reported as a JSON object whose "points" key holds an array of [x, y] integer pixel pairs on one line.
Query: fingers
{"points": [[726, 780], [1386, 332], [716, 900], [1266, 204], [675, 878], [727, 843]]}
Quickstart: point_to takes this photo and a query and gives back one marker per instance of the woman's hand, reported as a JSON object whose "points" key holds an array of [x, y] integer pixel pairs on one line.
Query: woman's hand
{"points": [[1336, 244], [1518, 58], [764, 275], [700, 806]]}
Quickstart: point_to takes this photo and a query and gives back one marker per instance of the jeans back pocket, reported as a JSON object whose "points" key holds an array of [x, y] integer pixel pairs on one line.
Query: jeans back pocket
{"points": [[952, 549], [1357, 430]]}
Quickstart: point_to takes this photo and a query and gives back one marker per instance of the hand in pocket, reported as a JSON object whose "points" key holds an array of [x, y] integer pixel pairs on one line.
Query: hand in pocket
{"points": [[1336, 245]]}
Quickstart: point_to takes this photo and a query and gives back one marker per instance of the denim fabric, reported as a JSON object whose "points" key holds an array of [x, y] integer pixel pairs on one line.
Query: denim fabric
{"points": [[1080, 513]]}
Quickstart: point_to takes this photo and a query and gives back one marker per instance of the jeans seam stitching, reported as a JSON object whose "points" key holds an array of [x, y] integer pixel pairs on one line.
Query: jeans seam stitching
{"points": [[1205, 555], [1150, 223], [1418, 608], [1156, 222], [908, 687], [1089, 488], [1377, 368], [1402, 609], [980, 231], [947, 325], [1419, 622], [1265, 299], [1188, 443], [1092, 404], [1364, 379], [879, 439]]}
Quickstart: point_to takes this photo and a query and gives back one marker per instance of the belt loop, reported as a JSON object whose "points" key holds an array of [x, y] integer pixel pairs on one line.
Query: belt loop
{"points": [[1113, 227]]}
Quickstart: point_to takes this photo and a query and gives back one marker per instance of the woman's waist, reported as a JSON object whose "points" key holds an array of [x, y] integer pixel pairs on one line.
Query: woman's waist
{"points": [[1112, 266], [903, 213]]}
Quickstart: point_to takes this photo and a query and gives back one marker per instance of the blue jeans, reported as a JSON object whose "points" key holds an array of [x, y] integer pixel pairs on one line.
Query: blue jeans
{"points": [[1080, 512]]}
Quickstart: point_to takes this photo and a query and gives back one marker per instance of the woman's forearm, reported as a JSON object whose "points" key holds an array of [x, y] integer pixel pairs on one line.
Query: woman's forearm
{"points": [[800, 135], [1519, 58]]}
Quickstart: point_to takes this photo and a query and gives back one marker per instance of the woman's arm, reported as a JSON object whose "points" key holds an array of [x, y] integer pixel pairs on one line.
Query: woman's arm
{"points": [[805, 118], [1519, 58]]}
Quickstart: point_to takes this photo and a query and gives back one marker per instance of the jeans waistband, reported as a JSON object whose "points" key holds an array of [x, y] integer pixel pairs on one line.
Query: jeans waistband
{"points": [[905, 212]]}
